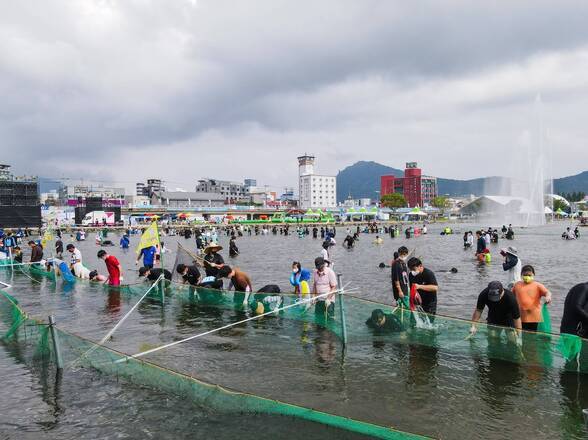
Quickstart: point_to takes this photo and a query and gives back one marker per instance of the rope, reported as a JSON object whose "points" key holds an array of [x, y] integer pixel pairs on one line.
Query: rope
{"points": [[119, 323], [153, 350]]}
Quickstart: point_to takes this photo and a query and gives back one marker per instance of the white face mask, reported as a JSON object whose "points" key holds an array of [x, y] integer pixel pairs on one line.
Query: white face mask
{"points": [[414, 273]]}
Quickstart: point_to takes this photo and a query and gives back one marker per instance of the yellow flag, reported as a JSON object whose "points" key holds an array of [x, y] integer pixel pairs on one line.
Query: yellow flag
{"points": [[47, 237], [149, 238]]}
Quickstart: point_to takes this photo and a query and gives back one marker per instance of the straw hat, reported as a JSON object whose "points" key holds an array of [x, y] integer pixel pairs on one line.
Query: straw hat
{"points": [[212, 247]]}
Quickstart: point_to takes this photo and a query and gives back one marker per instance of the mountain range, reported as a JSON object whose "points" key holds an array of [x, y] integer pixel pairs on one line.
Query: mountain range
{"points": [[362, 180]]}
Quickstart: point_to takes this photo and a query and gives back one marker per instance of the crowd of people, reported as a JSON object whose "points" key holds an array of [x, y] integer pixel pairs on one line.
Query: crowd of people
{"points": [[515, 301]]}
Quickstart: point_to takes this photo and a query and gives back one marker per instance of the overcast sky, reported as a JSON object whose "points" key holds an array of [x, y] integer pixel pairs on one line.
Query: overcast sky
{"points": [[125, 90]]}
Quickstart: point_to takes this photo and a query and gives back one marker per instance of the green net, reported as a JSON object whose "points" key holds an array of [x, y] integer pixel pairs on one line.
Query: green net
{"points": [[74, 348], [538, 349], [545, 324]]}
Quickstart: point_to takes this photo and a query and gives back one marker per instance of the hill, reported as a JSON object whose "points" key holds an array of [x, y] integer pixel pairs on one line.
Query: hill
{"points": [[362, 179]]}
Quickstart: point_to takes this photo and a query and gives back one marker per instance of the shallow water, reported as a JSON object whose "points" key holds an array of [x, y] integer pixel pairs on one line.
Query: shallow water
{"points": [[417, 389]]}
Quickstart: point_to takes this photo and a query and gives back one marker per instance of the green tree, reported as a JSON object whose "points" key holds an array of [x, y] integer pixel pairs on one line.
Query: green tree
{"points": [[440, 202], [394, 200], [559, 204]]}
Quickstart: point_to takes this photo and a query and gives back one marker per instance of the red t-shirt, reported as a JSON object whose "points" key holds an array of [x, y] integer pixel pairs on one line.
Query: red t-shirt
{"points": [[113, 270]]}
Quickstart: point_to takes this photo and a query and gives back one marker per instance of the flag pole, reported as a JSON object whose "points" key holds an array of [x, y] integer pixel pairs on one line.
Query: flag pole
{"points": [[162, 264]]}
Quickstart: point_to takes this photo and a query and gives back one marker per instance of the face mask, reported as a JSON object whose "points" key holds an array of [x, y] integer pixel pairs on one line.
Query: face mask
{"points": [[294, 270], [528, 278], [404, 258], [414, 273]]}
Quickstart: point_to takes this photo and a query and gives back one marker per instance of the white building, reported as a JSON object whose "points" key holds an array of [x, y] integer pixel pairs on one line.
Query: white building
{"points": [[315, 191]]}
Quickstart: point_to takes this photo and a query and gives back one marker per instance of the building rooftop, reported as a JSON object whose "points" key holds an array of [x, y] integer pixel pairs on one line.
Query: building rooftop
{"points": [[181, 195]]}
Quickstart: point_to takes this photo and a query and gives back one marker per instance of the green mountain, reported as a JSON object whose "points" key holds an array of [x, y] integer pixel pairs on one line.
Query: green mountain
{"points": [[362, 179]]}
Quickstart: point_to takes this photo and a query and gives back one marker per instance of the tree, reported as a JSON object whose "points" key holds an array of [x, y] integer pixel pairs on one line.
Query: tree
{"points": [[394, 200], [559, 204], [440, 202]]}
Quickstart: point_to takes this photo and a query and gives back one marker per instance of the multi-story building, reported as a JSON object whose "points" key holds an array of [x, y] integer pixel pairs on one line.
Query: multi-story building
{"points": [[147, 189], [418, 190], [315, 190], [250, 182], [231, 191]]}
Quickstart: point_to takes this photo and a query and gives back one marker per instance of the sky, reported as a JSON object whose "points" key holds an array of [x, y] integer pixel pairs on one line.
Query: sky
{"points": [[121, 91]]}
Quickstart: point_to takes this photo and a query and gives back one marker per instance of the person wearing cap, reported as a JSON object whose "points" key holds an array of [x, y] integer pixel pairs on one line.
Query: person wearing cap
{"points": [[381, 322], [213, 261], [529, 293], [152, 274], [503, 308], [425, 283], [75, 260], [324, 281], [325, 254], [189, 274], [512, 264]]}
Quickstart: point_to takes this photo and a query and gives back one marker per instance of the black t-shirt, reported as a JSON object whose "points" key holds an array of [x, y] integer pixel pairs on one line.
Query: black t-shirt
{"points": [[502, 312], [213, 258], [400, 274], [192, 276], [156, 273], [481, 245], [426, 278]]}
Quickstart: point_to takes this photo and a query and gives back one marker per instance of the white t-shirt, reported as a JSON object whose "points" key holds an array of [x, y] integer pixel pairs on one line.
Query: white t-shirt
{"points": [[76, 256]]}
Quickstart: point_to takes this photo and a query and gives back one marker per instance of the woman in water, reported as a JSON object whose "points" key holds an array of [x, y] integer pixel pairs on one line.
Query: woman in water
{"points": [[300, 279]]}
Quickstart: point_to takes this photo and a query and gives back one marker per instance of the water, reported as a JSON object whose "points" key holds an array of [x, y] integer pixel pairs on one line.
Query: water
{"points": [[413, 388]]}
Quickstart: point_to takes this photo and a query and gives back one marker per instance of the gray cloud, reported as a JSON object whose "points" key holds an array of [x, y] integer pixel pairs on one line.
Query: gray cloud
{"points": [[186, 89]]}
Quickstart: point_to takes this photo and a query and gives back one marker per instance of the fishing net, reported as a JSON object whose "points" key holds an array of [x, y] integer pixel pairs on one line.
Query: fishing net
{"points": [[33, 333], [185, 257], [545, 324], [537, 349]]}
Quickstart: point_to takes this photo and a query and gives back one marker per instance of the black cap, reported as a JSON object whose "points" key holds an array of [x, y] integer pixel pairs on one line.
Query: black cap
{"points": [[143, 271], [494, 290]]}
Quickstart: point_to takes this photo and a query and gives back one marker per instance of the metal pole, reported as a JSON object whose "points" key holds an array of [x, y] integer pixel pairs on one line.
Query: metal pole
{"points": [[10, 256], [56, 346], [342, 308], [585, 413]]}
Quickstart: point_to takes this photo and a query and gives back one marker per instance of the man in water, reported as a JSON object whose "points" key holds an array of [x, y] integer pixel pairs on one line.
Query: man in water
{"points": [[240, 281], [36, 252], [324, 281], [503, 309], [213, 261], [480, 245], [233, 249], [113, 266], [399, 275], [512, 264], [575, 314], [153, 274], [148, 255], [190, 274], [381, 322], [425, 283]]}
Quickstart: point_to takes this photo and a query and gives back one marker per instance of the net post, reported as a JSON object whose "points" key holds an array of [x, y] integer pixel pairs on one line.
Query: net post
{"points": [[585, 414], [10, 256], [342, 307], [56, 346]]}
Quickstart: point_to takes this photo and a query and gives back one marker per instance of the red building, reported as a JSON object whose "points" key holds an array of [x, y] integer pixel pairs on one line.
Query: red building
{"points": [[418, 190]]}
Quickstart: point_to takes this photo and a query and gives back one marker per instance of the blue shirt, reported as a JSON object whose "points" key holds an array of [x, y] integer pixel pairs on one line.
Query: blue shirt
{"points": [[124, 242], [148, 255]]}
